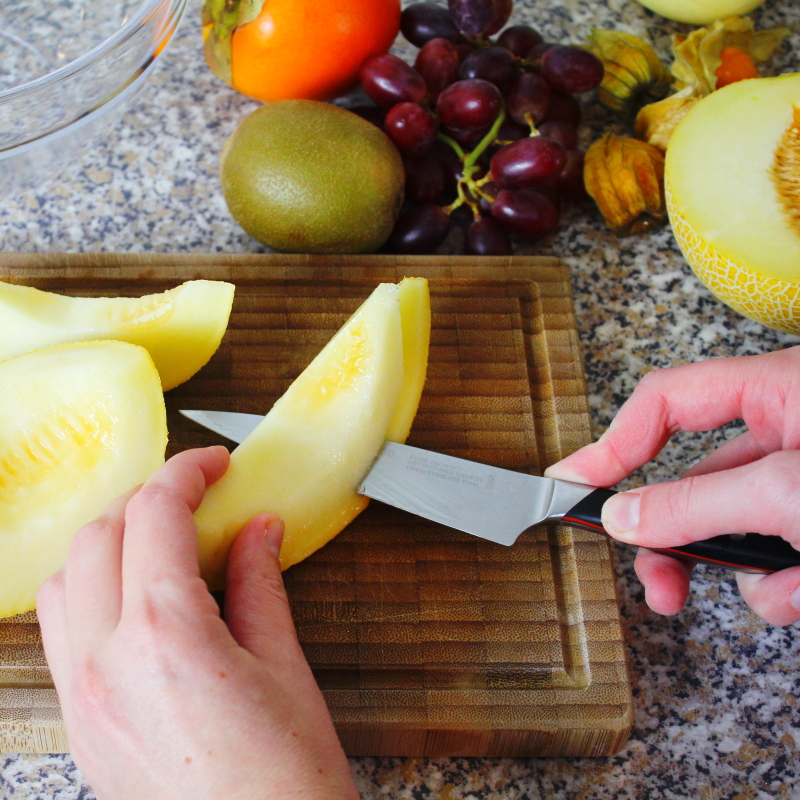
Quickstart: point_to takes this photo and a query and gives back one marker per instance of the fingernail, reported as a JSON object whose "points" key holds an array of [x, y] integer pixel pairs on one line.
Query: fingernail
{"points": [[563, 473], [621, 514], [796, 598], [273, 535]]}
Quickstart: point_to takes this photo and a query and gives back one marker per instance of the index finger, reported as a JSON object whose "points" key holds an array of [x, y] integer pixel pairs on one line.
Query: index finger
{"points": [[694, 397], [160, 541]]}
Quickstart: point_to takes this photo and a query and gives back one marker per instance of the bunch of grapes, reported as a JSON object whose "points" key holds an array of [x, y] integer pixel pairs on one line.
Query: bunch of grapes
{"points": [[490, 126]]}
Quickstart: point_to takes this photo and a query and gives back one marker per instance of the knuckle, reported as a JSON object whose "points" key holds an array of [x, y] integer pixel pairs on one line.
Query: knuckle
{"points": [[51, 590], [93, 699], [780, 471], [87, 536], [673, 506]]}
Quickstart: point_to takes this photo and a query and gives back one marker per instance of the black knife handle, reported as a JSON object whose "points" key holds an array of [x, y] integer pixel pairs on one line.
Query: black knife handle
{"points": [[752, 553]]}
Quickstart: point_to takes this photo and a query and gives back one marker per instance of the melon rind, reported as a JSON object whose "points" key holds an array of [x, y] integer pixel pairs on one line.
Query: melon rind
{"points": [[773, 303]]}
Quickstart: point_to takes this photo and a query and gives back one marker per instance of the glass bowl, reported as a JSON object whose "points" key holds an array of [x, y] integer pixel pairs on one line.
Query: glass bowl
{"points": [[68, 71]]}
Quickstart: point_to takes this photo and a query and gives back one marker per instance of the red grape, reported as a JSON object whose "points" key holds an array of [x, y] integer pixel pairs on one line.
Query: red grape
{"points": [[493, 64], [465, 49], [388, 80], [529, 94], [570, 181], [426, 180], [551, 191], [421, 22], [438, 63], [373, 114], [486, 238], [411, 127], [526, 212], [473, 17], [468, 105], [420, 230], [528, 162], [563, 132], [519, 39], [484, 205], [571, 69], [469, 140], [453, 168], [565, 108], [502, 12], [510, 131], [538, 50]]}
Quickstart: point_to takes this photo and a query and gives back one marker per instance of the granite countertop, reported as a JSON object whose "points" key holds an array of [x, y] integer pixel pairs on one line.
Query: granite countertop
{"points": [[716, 690]]}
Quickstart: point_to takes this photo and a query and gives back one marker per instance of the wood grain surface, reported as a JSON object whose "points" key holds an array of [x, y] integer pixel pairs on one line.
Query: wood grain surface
{"points": [[425, 641]]}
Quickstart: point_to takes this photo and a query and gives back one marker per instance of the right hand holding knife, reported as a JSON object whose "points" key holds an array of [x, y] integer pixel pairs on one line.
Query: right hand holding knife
{"points": [[751, 483]]}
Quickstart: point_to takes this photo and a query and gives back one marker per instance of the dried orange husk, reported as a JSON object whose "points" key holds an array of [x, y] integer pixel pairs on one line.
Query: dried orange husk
{"points": [[626, 179], [655, 123], [220, 18], [633, 71], [698, 54]]}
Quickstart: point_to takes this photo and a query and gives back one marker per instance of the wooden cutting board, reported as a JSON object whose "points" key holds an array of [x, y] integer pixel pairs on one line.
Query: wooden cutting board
{"points": [[425, 641]]}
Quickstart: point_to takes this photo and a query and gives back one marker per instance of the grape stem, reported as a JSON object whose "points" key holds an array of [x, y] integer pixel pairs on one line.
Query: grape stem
{"points": [[467, 187]]}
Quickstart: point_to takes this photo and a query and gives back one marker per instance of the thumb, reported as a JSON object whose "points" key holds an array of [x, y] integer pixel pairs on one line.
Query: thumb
{"points": [[256, 607], [775, 598]]}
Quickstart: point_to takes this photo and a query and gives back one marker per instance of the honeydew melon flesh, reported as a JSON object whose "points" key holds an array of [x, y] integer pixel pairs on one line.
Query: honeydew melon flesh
{"points": [[700, 12], [180, 328], [732, 180], [309, 454], [81, 424]]}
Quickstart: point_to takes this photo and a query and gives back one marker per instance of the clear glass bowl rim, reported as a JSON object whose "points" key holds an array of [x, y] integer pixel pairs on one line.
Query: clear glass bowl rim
{"points": [[141, 17]]}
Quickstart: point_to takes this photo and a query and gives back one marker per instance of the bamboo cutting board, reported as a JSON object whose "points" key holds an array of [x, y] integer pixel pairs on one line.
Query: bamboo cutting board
{"points": [[425, 641]]}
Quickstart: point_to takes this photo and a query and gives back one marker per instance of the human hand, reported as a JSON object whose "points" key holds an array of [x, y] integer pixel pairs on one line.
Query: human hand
{"points": [[162, 699], [750, 484]]}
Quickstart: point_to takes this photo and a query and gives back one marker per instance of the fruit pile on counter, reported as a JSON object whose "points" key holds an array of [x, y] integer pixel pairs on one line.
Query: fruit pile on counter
{"points": [[482, 134]]}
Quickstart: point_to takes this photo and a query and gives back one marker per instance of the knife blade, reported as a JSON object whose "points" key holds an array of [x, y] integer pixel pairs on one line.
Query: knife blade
{"points": [[499, 504]]}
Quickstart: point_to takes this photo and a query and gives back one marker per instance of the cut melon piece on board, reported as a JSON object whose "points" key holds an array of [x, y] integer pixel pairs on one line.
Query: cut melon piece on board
{"points": [[307, 458], [81, 425], [415, 320], [180, 328], [733, 195]]}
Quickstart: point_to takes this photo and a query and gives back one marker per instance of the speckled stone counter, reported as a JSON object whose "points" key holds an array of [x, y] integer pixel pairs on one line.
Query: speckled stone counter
{"points": [[716, 690]]}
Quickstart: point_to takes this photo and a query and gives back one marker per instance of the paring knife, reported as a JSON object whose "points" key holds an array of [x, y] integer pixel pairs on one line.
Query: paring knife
{"points": [[499, 504]]}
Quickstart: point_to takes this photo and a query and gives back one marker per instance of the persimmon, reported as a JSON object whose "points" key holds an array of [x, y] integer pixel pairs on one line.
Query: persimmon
{"points": [[295, 49]]}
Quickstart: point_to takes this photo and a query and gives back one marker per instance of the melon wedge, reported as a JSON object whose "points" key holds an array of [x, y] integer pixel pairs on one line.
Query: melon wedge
{"points": [[307, 458], [180, 328], [81, 424], [733, 195]]}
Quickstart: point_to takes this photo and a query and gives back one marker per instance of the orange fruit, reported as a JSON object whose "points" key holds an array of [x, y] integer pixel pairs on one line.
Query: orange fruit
{"points": [[310, 49]]}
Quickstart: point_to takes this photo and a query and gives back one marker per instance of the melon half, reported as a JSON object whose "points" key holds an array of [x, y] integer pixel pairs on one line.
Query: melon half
{"points": [[308, 456], [733, 195], [81, 425], [700, 12]]}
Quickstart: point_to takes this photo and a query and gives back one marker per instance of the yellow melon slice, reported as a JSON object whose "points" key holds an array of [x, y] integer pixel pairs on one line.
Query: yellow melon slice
{"points": [[180, 328], [81, 424], [733, 196], [306, 459]]}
